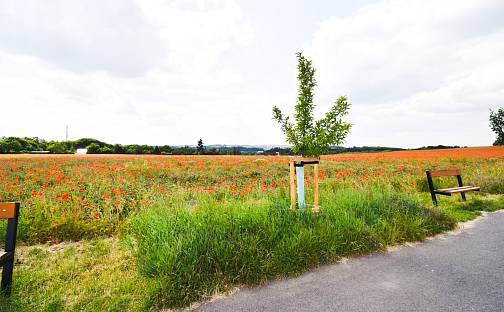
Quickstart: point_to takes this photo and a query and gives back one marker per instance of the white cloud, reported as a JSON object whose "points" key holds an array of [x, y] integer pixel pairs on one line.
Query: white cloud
{"points": [[124, 71], [172, 71], [196, 38], [419, 72], [81, 36]]}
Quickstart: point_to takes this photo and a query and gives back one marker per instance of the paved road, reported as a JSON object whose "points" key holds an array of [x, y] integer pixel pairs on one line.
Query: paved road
{"points": [[463, 272]]}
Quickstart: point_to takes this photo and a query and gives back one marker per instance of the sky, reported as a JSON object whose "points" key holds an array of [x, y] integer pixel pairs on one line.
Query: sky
{"points": [[417, 72]]}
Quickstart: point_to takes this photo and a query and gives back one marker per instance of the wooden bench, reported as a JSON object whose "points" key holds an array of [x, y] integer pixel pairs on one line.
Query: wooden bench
{"points": [[9, 211], [462, 189]]}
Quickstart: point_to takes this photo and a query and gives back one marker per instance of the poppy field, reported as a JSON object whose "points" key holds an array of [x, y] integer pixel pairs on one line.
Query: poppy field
{"points": [[74, 197], [187, 227]]}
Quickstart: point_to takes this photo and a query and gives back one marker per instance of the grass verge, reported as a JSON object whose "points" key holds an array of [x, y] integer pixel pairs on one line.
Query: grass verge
{"points": [[466, 211], [194, 253], [188, 249], [97, 275]]}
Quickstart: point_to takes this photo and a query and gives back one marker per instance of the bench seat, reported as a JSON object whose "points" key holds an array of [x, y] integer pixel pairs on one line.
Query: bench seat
{"points": [[455, 190], [460, 189]]}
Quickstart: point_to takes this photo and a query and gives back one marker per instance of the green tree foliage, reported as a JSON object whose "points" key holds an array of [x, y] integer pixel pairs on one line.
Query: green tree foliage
{"points": [[118, 149], [93, 148], [236, 150], [139, 149], [56, 147], [106, 150], [308, 136], [85, 142], [497, 125], [10, 145]]}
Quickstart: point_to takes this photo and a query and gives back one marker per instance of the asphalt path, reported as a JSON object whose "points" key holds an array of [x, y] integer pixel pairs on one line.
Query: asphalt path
{"points": [[461, 271]]}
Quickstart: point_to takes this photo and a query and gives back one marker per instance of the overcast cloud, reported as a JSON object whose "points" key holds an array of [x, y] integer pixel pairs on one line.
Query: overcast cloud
{"points": [[169, 72]]}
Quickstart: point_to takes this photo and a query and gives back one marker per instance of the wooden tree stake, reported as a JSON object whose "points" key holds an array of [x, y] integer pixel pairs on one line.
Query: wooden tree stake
{"points": [[292, 184], [316, 207]]}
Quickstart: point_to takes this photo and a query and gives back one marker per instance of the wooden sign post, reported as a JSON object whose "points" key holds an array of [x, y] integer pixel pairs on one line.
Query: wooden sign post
{"points": [[296, 165]]}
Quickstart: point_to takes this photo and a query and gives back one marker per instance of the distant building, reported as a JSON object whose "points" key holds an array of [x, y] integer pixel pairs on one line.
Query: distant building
{"points": [[81, 151]]}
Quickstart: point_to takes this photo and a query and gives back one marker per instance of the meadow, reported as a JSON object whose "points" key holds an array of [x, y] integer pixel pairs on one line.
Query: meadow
{"points": [[115, 233]]}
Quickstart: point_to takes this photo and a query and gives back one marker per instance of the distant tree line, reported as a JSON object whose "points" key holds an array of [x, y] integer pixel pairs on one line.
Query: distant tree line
{"points": [[20, 145], [431, 147], [362, 149], [13, 145], [377, 149]]}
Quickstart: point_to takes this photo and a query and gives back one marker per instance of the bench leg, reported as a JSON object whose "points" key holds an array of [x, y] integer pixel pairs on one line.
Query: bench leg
{"points": [[8, 267], [10, 246], [431, 187], [460, 184], [434, 199], [463, 196]]}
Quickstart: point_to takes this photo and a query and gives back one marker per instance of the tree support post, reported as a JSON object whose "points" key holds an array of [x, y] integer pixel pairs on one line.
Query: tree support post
{"points": [[316, 206], [297, 190], [292, 183]]}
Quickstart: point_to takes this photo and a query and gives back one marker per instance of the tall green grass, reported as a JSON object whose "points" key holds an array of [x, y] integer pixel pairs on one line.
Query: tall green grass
{"points": [[186, 252], [194, 251], [96, 275]]}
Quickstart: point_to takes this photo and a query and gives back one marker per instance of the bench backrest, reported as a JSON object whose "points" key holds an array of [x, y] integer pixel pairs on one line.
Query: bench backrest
{"points": [[454, 172], [445, 173], [9, 210]]}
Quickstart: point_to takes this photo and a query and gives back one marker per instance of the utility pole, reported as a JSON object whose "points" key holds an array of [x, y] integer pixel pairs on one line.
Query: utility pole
{"points": [[66, 133]]}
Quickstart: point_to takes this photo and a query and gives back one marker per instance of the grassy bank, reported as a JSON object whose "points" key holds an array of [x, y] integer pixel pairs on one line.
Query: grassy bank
{"points": [[179, 252], [96, 275], [193, 252], [136, 234]]}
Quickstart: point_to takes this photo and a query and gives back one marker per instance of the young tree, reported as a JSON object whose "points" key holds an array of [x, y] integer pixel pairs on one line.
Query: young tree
{"points": [[497, 125], [200, 148], [308, 136]]}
